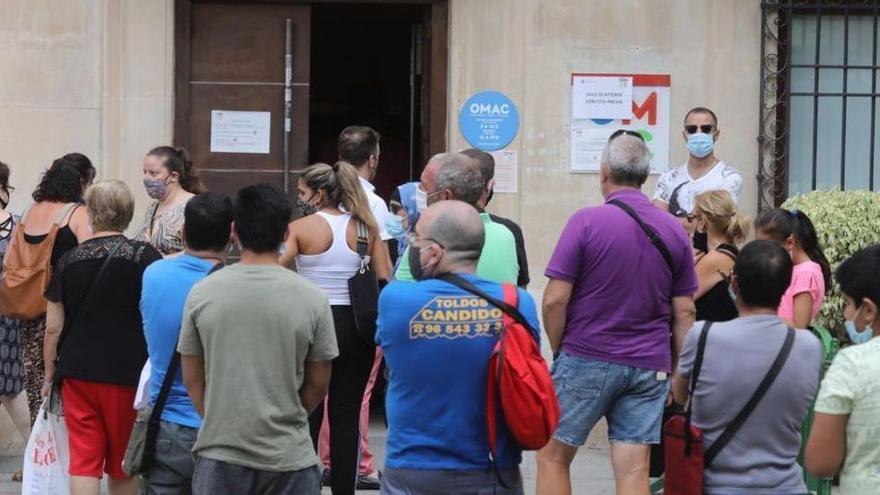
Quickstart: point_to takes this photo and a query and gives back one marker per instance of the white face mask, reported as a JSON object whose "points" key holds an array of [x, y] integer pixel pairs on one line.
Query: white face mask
{"points": [[421, 200]]}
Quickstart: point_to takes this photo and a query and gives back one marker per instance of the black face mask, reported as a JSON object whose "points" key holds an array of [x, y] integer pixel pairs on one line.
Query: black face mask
{"points": [[491, 193], [304, 209], [4, 200], [415, 263]]}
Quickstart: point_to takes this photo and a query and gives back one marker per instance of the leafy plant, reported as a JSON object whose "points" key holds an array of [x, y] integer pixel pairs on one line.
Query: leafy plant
{"points": [[845, 221]]}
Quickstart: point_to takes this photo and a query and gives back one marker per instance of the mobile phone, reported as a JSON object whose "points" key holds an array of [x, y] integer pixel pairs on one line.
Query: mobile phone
{"points": [[701, 241]]}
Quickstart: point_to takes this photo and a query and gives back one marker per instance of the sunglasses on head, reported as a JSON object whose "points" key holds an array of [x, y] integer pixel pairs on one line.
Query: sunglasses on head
{"points": [[705, 128], [621, 132]]}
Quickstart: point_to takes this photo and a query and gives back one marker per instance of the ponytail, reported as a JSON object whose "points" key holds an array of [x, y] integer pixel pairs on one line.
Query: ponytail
{"points": [[342, 187], [779, 224], [738, 229], [353, 198], [805, 233], [178, 160]]}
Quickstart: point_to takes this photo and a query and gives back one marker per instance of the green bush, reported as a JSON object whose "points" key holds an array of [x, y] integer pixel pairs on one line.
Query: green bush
{"points": [[845, 221]]}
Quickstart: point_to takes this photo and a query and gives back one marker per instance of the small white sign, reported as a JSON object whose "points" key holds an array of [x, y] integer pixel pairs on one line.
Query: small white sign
{"points": [[240, 132], [587, 146], [602, 97], [506, 171]]}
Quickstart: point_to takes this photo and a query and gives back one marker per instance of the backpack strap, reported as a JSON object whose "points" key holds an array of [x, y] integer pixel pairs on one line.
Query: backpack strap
{"points": [[363, 240], [753, 402], [695, 377], [461, 283], [62, 214]]}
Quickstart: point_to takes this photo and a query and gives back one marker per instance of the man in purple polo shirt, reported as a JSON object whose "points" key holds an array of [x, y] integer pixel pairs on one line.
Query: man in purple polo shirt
{"points": [[607, 311]]}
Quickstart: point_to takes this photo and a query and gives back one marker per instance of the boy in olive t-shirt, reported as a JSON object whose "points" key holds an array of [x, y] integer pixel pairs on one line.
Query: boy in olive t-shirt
{"points": [[256, 344]]}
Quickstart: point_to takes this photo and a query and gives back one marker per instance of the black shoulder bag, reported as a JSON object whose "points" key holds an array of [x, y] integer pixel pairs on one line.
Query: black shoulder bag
{"points": [[650, 232], [53, 401], [364, 289]]}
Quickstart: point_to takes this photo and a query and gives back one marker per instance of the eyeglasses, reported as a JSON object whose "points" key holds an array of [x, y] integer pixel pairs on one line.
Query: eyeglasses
{"points": [[705, 128], [621, 132], [413, 237]]}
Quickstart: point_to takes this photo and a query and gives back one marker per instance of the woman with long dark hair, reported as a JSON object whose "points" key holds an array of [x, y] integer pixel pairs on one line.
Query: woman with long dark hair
{"points": [[811, 277], [171, 180], [324, 245], [58, 201]]}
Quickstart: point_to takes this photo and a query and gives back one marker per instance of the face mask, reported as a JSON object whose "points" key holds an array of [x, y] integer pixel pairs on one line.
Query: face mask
{"points": [[421, 200], [4, 200], [856, 335], [156, 188], [415, 263], [700, 144], [304, 209], [394, 226]]}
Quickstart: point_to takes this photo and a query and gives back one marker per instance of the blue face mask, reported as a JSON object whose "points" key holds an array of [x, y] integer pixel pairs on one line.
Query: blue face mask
{"points": [[700, 144], [394, 227], [857, 335]]}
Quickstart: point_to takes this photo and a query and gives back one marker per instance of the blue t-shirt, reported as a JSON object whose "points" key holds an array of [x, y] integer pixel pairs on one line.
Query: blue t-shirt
{"points": [[165, 287], [437, 341]]}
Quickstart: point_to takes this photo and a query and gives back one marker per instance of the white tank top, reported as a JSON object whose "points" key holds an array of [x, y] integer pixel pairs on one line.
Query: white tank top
{"points": [[331, 269]]}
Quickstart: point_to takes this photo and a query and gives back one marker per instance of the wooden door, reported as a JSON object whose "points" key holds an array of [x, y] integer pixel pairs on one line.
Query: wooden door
{"points": [[231, 57]]}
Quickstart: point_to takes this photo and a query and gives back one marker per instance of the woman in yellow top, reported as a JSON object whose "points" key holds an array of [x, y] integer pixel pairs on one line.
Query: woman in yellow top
{"points": [[847, 423]]}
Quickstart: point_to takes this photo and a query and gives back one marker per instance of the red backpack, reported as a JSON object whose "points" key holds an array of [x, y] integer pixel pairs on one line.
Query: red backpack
{"points": [[518, 376]]}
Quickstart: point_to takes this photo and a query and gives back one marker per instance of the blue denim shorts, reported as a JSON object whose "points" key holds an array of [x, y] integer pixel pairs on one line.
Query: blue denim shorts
{"points": [[631, 400]]}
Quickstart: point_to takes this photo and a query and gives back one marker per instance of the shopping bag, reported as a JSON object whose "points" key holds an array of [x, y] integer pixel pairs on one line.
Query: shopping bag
{"points": [[47, 457]]}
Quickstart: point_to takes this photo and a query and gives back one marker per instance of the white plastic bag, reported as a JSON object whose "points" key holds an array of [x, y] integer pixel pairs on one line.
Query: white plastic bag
{"points": [[47, 457], [142, 396]]}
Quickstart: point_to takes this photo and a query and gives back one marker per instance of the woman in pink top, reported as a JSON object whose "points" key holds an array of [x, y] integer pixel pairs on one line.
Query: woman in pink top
{"points": [[812, 273]]}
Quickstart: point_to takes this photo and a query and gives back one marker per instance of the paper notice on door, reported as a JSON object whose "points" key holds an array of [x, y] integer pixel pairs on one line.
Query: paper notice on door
{"points": [[240, 132], [506, 171]]}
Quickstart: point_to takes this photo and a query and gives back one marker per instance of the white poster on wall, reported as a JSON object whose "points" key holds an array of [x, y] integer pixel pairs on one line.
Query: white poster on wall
{"points": [[601, 97], [648, 115], [240, 132], [506, 171]]}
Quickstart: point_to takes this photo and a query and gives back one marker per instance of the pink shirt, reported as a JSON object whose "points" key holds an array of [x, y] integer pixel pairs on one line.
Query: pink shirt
{"points": [[806, 277]]}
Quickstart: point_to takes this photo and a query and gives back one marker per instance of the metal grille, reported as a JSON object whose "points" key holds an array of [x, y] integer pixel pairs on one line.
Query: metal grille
{"points": [[818, 97]]}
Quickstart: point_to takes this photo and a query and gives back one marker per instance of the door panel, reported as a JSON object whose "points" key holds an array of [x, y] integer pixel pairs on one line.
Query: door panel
{"points": [[234, 59]]}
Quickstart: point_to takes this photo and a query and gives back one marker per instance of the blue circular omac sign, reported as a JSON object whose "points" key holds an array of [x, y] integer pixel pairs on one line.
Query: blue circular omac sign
{"points": [[489, 120]]}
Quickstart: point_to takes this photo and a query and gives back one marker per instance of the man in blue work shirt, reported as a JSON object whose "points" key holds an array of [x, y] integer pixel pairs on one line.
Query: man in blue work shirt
{"points": [[437, 340]]}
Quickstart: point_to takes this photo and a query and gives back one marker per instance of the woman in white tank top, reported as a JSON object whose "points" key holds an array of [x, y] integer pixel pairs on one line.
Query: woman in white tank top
{"points": [[324, 246]]}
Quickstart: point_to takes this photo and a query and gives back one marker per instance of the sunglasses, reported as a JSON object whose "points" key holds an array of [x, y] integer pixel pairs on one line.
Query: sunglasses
{"points": [[621, 132], [705, 128]]}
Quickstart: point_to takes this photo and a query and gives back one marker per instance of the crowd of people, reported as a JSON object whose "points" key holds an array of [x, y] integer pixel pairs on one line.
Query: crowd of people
{"points": [[257, 375]]}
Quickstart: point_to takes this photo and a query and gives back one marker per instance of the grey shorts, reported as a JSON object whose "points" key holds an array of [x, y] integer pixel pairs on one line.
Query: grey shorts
{"points": [[171, 469], [216, 477], [436, 482]]}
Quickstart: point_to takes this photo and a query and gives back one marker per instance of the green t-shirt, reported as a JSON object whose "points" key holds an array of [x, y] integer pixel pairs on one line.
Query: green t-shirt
{"points": [[497, 263], [256, 325], [851, 387]]}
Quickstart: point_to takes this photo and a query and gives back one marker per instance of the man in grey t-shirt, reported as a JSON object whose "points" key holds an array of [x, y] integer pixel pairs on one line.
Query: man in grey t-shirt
{"points": [[256, 345], [762, 456]]}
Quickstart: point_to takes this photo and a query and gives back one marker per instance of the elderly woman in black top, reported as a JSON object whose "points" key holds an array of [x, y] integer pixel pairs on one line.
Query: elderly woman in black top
{"points": [[94, 329]]}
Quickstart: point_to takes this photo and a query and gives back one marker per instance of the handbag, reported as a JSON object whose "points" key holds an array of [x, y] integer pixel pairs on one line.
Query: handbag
{"points": [[363, 289], [685, 459], [142, 442], [54, 404]]}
